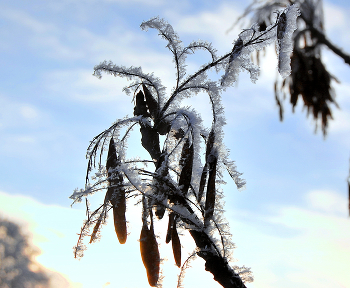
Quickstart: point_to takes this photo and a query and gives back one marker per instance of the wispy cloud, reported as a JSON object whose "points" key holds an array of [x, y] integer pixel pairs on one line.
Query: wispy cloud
{"points": [[314, 251]]}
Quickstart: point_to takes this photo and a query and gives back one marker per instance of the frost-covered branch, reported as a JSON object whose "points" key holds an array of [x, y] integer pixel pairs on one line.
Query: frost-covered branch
{"points": [[178, 185], [309, 77]]}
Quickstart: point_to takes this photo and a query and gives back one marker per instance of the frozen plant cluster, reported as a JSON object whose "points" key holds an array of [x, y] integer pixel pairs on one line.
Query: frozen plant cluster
{"points": [[308, 78], [180, 179]]}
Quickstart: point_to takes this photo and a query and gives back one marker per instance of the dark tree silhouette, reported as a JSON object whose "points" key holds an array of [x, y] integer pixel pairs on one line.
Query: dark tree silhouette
{"points": [[16, 257], [310, 78], [174, 181]]}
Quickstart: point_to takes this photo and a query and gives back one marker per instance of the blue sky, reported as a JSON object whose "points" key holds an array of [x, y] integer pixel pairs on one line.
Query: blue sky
{"points": [[290, 224]]}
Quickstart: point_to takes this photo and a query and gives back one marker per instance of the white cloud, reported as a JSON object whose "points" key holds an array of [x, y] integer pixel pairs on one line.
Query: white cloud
{"points": [[23, 19], [315, 249], [145, 2], [317, 253], [54, 229], [18, 113], [328, 202], [29, 112], [209, 25]]}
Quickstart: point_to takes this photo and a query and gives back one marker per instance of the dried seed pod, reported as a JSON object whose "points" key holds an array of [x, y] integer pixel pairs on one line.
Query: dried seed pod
{"points": [[151, 102], [211, 190], [202, 183], [281, 26], [186, 162], [150, 141], [162, 126], [111, 158], [210, 144], [96, 227], [262, 25], [209, 148], [170, 226], [116, 196], [162, 172], [116, 193], [140, 106], [176, 245], [160, 210], [150, 254], [312, 81], [119, 219], [236, 50]]}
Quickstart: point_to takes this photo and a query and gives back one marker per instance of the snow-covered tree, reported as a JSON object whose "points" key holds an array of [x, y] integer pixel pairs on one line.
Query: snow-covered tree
{"points": [[16, 259], [183, 177], [310, 78]]}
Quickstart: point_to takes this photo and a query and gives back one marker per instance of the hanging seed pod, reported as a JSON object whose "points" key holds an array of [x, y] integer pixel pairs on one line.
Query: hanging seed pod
{"points": [[209, 148], [116, 194], [312, 81], [160, 210], [161, 172], [281, 26], [262, 25], [150, 140], [186, 162], [236, 50], [150, 254], [150, 137], [162, 126], [170, 226], [151, 102], [119, 219], [140, 106], [210, 144], [96, 227], [111, 158], [211, 192], [202, 183], [176, 245]]}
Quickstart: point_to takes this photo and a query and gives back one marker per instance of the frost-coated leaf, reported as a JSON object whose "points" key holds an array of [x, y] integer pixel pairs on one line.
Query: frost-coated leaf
{"points": [[150, 254]]}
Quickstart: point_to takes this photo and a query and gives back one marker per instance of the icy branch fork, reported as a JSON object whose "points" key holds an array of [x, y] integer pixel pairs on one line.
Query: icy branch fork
{"points": [[174, 180]]}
